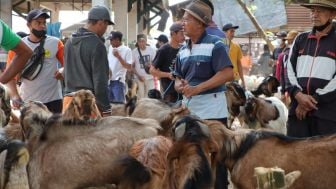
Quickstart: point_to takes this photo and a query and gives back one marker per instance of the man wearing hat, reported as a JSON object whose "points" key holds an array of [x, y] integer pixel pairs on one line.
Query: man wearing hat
{"points": [[46, 87], [235, 52], [202, 69], [312, 75], [164, 62], [281, 39], [120, 60], [86, 59], [161, 40], [281, 66]]}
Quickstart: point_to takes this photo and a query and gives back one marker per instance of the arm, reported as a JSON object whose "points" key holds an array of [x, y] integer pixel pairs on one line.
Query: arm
{"points": [[220, 78], [121, 60], [60, 56], [100, 76], [23, 53], [157, 73], [14, 94], [240, 67]]}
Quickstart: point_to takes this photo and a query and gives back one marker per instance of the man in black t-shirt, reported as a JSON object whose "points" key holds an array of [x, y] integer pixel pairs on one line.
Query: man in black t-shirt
{"points": [[164, 63]]}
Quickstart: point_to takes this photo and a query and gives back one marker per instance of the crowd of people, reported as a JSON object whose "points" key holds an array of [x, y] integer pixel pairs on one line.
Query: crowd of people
{"points": [[192, 65]]}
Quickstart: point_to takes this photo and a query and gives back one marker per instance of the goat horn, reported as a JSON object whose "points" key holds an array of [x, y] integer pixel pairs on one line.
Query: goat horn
{"points": [[205, 129], [179, 131]]}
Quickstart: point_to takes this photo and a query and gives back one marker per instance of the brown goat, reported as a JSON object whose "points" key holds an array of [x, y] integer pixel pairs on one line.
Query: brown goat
{"points": [[82, 106], [244, 150], [77, 156], [184, 164], [14, 158], [158, 110], [235, 98]]}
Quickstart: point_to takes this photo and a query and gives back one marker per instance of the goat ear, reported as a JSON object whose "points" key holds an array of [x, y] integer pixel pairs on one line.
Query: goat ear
{"points": [[179, 131], [204, 128]]}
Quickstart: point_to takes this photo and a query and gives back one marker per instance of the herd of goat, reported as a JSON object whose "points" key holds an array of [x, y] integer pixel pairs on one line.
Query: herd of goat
{"points": [[148, 144]]}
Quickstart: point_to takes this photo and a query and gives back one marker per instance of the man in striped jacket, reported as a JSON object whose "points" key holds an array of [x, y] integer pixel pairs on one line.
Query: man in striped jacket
{"points": [[312, 75]]}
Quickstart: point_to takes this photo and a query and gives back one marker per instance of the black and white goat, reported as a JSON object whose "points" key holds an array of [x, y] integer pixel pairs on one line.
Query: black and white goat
{"points": [[268, 112]]}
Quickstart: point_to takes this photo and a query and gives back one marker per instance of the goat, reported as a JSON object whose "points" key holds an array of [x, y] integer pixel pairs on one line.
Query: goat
{"points": [[14, 158], [268, 112], [5, 104], [243, 150], [155, 94], [82, 106], [267, 87], [235, 97], [77, 156], [178, 164], [158, 110]]}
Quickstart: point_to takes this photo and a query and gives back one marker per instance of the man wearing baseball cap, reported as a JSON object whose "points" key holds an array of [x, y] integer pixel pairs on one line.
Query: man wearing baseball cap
{"points": [[44, 86], [312, 75], [164, 62], [86, 59], [235, 52], [202, 69], [120, 60], [161, 40]]}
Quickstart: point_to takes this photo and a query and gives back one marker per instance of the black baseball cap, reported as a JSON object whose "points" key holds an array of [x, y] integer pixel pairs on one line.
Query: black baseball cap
{"points": [[162, 38], [228, 26], [115, 35], [36, 13]]}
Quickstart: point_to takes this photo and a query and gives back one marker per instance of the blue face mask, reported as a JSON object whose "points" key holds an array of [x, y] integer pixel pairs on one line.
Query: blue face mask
{"points": [[39, 33]]}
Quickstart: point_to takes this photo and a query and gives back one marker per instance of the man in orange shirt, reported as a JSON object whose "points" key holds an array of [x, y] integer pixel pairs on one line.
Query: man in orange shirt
{"points": [[235, 52]]}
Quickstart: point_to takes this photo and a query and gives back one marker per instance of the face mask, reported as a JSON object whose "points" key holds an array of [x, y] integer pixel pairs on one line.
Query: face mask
{"points": [[39, 33], [157, 45]]}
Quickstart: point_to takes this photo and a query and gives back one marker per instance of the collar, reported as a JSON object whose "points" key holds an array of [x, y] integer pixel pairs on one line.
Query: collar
{"points": [[199, 40], [316, 34]]}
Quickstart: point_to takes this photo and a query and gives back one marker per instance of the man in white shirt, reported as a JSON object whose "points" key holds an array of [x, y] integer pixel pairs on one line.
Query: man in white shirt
{"points": [[120, 60], [143, 56]]}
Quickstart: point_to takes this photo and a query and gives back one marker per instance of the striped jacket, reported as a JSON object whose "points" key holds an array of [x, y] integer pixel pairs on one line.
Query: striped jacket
{"points": [[312, 70]]}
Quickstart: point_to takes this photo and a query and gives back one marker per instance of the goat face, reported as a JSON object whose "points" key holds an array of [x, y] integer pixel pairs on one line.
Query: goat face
{"points": [[82, 107], [34, 116], [269, 86], [154, 93], [236, 92], [189, 156], [190, 128], [251, 107]]}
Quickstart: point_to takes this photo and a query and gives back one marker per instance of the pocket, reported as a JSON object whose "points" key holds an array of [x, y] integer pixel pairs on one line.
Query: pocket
{"points": [[203, 69]]}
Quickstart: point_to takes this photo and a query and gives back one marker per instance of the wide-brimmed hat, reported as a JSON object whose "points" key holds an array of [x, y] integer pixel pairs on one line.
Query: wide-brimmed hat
{"points": [[292, 34], [200, 10], [331, 4]]}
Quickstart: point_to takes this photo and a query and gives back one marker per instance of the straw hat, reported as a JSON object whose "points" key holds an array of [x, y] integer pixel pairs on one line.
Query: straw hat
{"points": [[331, 4], [292, 34], [200, 10]]}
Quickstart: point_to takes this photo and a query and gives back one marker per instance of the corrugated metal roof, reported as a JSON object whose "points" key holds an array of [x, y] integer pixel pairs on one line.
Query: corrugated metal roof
{"points": [[298, 18]]}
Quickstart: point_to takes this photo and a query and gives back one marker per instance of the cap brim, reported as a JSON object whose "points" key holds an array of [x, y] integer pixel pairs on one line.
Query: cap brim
{"points": [[110, 22], [194, 15], [44, 14], [309, 5]]}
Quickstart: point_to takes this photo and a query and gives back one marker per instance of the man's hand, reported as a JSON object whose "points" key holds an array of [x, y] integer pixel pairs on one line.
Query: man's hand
{"points": [[301, 112], [306, 101], [189, 91], [58, 74], [17, 102], [141, 78], [115, 53]]}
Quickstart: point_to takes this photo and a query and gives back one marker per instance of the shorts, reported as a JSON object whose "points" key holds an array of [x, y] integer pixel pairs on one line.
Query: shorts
{"points": [[117, 92]]}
